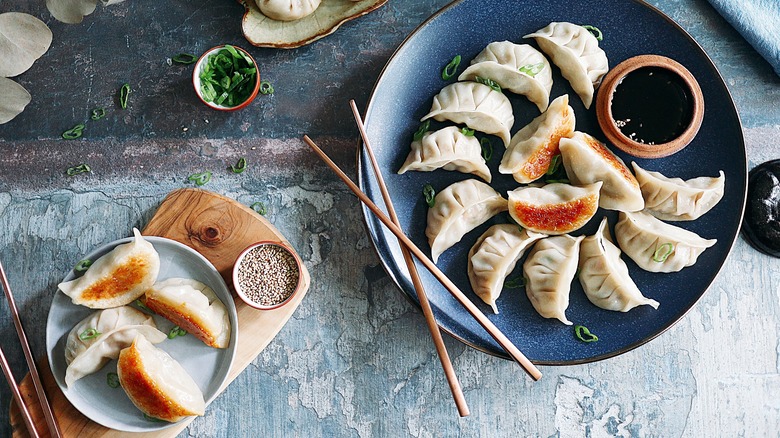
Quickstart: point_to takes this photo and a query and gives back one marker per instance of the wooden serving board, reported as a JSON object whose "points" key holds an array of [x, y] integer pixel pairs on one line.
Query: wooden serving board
{"points": [[219, 228]]}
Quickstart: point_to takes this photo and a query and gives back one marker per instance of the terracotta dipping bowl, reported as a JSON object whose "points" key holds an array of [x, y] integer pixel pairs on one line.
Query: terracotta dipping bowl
{"points": [[247, 289], [610, 128], [196, 83]]}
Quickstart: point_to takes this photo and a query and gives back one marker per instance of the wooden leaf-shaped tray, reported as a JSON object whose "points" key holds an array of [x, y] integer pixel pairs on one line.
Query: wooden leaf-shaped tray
{"points": [[219, 228], [262, 31]]}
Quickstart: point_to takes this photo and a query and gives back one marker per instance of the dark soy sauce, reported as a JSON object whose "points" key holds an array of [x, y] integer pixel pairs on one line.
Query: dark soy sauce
{"points": [[652, 105]]}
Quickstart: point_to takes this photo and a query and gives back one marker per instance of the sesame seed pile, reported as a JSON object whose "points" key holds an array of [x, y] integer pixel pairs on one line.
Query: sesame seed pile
{"points": [[268, 275]]}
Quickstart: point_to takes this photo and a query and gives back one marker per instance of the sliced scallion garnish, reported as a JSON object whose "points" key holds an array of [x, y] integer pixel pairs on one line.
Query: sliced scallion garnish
{"points": [[124, 95], [595, 31], [143, 306], [487, 148], [228, 77], [90, 333], [200, 178], [176, 331], [515, 283], [584, 335], [240, 166], [531, 69], [557, 181], [112, 380], [82, 265], [75, 170], [467, 131], [74, 132], [430, 195], [450, 69], [266, 88], [184, 58], [259, 208], [418, 135], [663, 252], [555, 163], [98, 113], [489, 82]]}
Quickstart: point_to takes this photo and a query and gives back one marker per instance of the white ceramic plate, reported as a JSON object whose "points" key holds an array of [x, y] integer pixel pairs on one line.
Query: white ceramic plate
{"points": [[208, 366]]}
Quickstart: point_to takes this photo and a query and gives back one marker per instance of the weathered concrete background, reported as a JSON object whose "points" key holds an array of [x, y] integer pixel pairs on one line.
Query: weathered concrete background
{"points": [[356, 359]]}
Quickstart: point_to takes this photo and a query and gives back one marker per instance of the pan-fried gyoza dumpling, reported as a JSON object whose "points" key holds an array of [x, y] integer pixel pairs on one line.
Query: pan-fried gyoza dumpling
{"points": [[458, 209], [518, 68], [657, 246], [494, 256], [673, 199], [100, 337], [117, 278], [194, 307], [588, 160], [549, 271], [531, 149], [287, 10], [475, 105], [577, 53], [604, 275], [449, 149], [157, 384], [554, 208]]}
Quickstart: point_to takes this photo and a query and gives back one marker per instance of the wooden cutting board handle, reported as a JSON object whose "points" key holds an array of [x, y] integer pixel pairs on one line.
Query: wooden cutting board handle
{"points": [[219, 228]]}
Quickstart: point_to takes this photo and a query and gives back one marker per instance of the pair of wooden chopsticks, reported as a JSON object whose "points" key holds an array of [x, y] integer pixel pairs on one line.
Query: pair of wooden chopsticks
{"points": [[54, 429], [408, 246]]}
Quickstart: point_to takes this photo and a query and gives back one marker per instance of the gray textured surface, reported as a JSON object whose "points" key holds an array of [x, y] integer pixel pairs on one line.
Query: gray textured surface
{"points": [[355, 360]]}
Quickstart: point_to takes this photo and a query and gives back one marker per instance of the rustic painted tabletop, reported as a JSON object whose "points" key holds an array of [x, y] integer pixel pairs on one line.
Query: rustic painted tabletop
{"points": [[355, 360]]}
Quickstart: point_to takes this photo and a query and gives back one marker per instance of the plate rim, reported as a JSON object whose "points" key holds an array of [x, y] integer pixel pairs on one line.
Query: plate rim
{"points": [[231, 350], [372, 227]]}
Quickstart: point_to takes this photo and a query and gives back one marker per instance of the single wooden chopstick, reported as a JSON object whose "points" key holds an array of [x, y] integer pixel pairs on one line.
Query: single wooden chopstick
{"points": [[430, 319], [54, 429], [28, 421], [477, 314]]}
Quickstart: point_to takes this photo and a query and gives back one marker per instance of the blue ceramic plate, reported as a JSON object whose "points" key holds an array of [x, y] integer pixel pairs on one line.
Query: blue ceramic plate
{"points": [[403, 95], [208, 366]]}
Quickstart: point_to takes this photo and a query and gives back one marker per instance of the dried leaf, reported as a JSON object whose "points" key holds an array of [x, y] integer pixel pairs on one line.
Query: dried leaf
{"points": [[13, 99], [73, 11], [23, 39]]}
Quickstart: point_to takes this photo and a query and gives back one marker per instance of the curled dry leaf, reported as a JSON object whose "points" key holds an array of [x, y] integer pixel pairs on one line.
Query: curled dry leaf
{"points": [[73, 11], [23, 39], [13, 99]]}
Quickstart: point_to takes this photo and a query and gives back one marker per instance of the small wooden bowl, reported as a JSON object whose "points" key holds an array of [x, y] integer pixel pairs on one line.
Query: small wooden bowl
{"points": [[607, 120], [245, 296]]}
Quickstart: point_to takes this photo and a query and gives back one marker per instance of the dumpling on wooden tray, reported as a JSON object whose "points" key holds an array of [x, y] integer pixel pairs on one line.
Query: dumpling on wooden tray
{"points": [[117, 278], [157, 384], [194, 307]]}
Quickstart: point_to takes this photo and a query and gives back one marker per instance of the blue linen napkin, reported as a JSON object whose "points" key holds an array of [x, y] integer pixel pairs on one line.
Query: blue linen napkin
{"points": [[758, 21]]}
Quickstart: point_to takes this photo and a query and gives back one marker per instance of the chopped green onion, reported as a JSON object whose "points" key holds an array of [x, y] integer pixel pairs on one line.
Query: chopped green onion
{"points": [[240, 166], [532, 69], [266, 88], [466, 131], [418, 135], [584, 335], [143, 306], [74, 132], [487, 148], [663, 252], [489, 82], [88, 334], [124, 94], [98, 113], [228, 77], [200, 178], [557, 181], [112, 380], [515, 283], [259, 207], [184, 58], [555, 163], [176, 331], [83, 265], [595, 31], [430, 195], [451, 68], [75, 170]]}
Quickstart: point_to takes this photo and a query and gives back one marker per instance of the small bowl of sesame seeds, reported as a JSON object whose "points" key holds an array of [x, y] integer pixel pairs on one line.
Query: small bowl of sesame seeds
{"points": [[267, 275]]}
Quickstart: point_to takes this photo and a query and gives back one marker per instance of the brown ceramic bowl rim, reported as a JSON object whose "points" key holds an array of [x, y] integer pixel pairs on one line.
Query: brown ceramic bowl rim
{"points": [[607, 121], [239, 259], [196, 80]]}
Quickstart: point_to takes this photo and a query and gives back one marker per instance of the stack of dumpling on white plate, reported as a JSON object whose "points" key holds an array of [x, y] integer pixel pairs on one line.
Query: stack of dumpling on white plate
{"points": [[596, 178], [119, 331]]}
